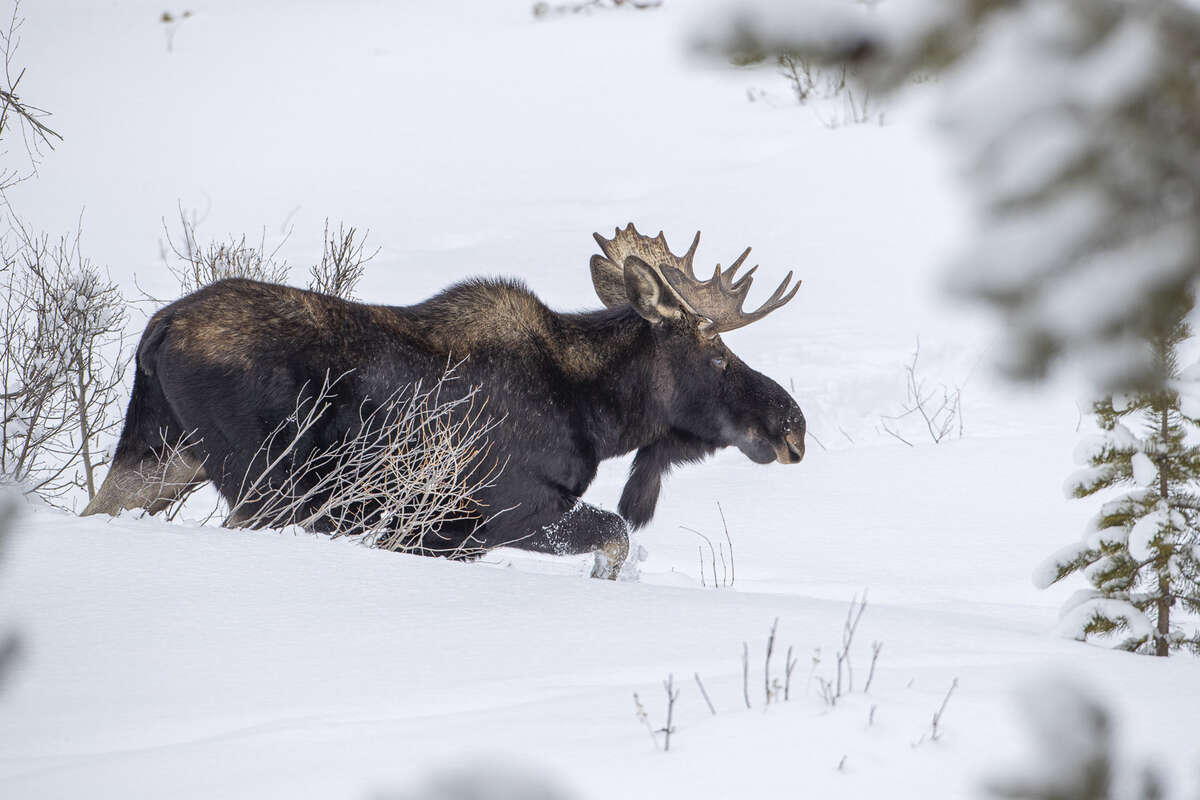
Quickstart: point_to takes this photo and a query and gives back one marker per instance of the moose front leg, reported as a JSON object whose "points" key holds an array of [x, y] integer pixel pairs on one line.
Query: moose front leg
{"points": [[585, 529]]}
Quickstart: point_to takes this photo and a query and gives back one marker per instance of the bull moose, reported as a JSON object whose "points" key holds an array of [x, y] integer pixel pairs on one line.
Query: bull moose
{"points": [[648, 373]]}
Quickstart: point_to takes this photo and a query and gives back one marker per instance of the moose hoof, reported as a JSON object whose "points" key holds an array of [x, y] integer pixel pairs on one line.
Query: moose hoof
{"points": [[610, 557]]}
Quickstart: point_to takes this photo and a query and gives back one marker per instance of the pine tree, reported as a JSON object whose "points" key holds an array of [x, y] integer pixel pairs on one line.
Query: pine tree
{"points": [[1141, 553]]}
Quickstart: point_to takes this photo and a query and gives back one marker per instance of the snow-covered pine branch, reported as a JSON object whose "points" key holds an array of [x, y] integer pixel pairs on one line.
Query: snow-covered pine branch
{"points": [[1139, 553]]}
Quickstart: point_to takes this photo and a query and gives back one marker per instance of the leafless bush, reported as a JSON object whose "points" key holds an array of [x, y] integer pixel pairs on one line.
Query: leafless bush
{"points": [[199, 265], [34, 132], [343, 261], [543, 10], [833, 689], [939, 408], [806, 78], [413, 461], [61, 335]]}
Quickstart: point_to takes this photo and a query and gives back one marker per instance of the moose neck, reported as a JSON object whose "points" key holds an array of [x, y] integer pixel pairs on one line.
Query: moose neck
{"points": [[610, 357]]}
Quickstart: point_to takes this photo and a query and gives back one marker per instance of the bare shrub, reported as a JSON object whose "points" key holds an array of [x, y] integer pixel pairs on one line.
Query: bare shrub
{"points": [[61, 335], [29, 118], [199, 265], [414, 461], [807, 78], [543, 10], [939, 408], [728, 573], [343, 261], [842, 683]]}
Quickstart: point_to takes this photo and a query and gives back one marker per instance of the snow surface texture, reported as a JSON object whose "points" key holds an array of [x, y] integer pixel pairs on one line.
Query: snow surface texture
{"points": [[187, 661]]}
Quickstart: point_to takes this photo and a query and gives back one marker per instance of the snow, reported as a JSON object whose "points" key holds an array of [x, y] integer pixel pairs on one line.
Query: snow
{"points": [[182, 660], [1073, 622], [1085, 479], [1145, 472]]}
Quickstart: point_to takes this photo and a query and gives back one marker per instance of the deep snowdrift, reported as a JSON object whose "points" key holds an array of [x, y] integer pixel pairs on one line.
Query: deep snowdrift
{"points": [[188, 661]]}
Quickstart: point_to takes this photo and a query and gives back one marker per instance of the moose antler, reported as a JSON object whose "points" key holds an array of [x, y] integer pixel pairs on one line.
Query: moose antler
{"points": [[717, 301]]}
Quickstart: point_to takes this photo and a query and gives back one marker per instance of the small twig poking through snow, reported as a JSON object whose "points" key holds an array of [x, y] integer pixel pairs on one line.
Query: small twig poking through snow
{"points": [[728, 541], [871, 715], [789, 665], [644, 718], [849, 627], [841, 767], [724, 578], [935, 729], [704, 694], [746, 673], [672, 695], [842, 683], [875, 648], [935, 732], [767, 663]]}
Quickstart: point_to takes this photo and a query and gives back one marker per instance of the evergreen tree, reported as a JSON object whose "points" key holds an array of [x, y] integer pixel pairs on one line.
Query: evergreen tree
{"points": [[1141, 553]]}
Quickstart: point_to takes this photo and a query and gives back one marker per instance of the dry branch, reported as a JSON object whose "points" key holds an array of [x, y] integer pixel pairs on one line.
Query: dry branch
{"points": [[414, 461], [343, 261], [61, 340]]}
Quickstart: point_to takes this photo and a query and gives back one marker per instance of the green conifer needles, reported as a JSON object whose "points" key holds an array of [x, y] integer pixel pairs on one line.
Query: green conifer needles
{"points": [[1141, 552]]}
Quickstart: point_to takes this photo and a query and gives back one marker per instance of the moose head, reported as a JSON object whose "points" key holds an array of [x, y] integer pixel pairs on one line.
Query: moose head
{"points": [[711, 398]]}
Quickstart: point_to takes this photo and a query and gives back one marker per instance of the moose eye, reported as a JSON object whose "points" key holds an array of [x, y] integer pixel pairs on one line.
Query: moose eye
{"points": [[718, 362]]}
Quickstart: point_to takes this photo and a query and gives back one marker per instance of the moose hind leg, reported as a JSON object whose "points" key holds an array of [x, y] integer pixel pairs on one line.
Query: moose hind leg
{"points": [[152, 484], [585, 529]]}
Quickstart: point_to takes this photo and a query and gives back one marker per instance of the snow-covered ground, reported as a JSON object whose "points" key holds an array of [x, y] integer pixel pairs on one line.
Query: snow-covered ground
{"points": [[177, 660]]}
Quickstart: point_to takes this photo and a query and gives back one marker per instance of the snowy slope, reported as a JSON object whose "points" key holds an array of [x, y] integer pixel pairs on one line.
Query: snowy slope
{"points": [[188, 661]]}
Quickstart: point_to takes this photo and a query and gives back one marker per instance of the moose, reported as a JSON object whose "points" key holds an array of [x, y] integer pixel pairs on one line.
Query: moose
{"points": [[223, 367]]}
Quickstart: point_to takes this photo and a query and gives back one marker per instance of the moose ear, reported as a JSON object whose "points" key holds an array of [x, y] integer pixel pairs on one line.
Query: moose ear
{"points": [[648, 293]]}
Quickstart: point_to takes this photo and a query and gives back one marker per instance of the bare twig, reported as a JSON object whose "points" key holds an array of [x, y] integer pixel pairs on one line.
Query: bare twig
{"points": [[935, 724], [704, 694], [941, 416], [343, 262], [727, 574], [767, 663], [34, 132], [61, 361], [876, 647], [672, 696], [935, 730], [199, 265], [789, 665], [644, 718], [729, 541], [412, 462]]}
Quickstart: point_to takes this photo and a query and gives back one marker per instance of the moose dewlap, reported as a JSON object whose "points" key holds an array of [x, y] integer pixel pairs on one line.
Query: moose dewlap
{"points": [[474, 419]]}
